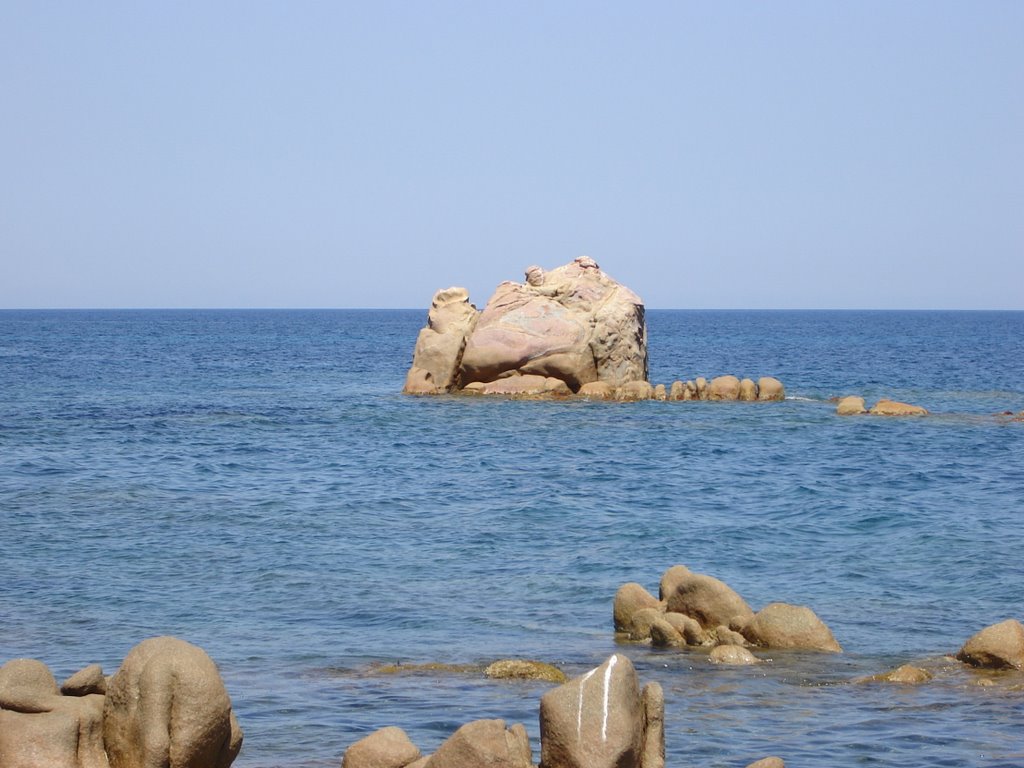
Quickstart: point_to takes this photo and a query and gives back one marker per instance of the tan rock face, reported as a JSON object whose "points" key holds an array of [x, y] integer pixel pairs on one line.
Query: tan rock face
{"points": [[634, 390], [85, 681], [851, 405], [39, 727], [724, 388], [1000, 646], [780, 625], [386, 748], [527, 386], [630, 598], [770, 388], [894, 408], [768, 762], [748, 390], [708, 600], [905, 675], [573, 323], [597, 390], [484, 743], [599, 720], [670, 580], [439, 347], [167, 706]]}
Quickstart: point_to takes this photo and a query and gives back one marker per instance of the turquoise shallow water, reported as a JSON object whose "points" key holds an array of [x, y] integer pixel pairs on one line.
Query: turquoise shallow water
{"points": [[253, 482]]}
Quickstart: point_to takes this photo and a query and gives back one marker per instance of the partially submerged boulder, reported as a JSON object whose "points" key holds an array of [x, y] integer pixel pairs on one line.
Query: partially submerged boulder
{"points": [[732, 655], [770, 389], [524, 669], [895, 408], [602, 720], [781, 625], [851, 405], [630, 598], [724, 388], [999, 646]]}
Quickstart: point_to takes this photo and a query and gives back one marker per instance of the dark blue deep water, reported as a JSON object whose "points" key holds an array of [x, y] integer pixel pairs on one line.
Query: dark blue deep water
{"points": [[253, 481]]}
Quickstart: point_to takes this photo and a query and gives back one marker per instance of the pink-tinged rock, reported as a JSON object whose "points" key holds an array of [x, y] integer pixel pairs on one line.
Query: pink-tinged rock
{"points": [[599, 720], [439, 346], [385, 748], [527, 386], [894, 408], [167, 706], [1000, 646], [724, 388], [780, 625], [484, 743], [708, 600], [574, 323], [769, 388]]}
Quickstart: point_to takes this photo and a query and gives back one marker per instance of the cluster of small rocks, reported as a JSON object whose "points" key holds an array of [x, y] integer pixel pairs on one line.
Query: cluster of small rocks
{"points": [[602, 719], [165, 706], [854, 405], [720, 388], [697, 610]]}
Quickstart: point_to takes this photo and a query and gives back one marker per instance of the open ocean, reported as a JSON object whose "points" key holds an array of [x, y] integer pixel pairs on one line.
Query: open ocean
{"points": [[253, 482]]}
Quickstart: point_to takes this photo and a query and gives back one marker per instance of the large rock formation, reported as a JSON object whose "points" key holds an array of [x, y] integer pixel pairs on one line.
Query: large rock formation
{"points": [[1000, 646], [165, 707], [574, 324]]}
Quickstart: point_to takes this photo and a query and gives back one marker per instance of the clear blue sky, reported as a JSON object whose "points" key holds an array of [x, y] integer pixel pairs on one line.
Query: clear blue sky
{"points": [[332, 154]]}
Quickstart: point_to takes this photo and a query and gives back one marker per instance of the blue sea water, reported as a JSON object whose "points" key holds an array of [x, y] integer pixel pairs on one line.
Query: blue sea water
{"points": [[253, 481]]}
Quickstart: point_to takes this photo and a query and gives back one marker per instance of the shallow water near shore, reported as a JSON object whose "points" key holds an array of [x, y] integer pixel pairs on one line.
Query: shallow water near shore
{"points": [[253, 482]]}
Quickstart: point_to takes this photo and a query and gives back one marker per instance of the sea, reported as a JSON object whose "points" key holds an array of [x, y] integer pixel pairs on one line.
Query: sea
{"points": [[255, 483]]}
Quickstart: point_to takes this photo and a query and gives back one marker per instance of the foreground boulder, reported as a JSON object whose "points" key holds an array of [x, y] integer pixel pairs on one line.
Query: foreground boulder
{"points": [[167, 706], [1000, 646], [39, 728], [780, 625], [602, 720], [485, 743], [385, 748]]}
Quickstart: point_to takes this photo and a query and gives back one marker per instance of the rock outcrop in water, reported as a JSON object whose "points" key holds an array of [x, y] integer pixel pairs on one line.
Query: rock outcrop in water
{"points": [[698, 610], [166, 706], [574, 324], [601, 719], [1000, 646]]}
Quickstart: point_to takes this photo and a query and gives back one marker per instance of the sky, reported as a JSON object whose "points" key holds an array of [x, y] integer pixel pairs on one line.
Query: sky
{"points": [[340, 154]]}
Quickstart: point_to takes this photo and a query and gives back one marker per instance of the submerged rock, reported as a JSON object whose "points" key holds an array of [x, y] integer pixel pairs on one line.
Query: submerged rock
{"points": [[907, 674], [852, 405], [524, 669], [894, 408], [733, 655]]}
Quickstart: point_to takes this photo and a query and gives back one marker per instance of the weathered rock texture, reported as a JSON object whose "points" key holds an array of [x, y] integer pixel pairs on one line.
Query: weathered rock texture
{"points": [[524, 669], [851, 405], [1000, 646], [894, 408], [574, 323], [780, 625], [165, 708], [601, 720], [485, 743], [439, 347], [385, 748]]}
